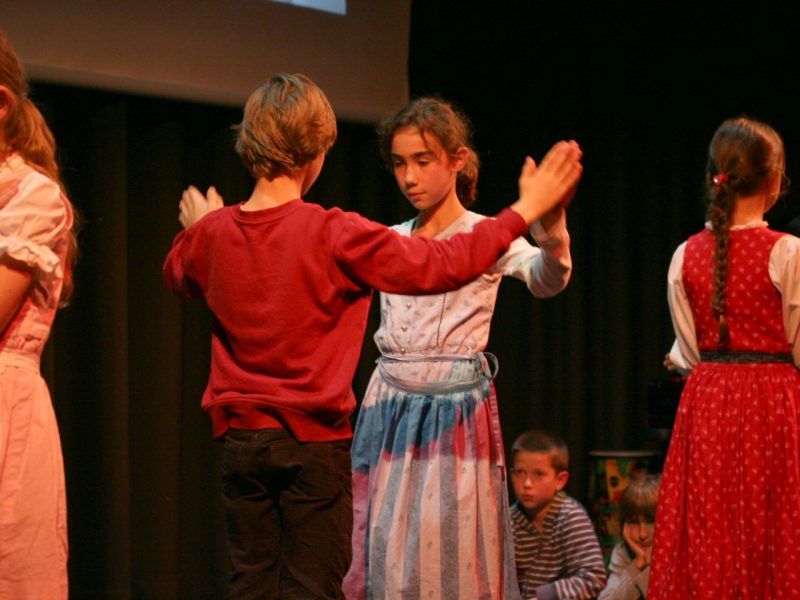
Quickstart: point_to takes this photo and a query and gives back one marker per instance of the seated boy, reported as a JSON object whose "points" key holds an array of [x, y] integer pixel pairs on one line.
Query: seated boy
{"points": [[556, 548], [289, 285]]}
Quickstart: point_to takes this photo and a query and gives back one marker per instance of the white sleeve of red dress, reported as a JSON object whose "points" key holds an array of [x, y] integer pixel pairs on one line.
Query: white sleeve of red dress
{"points": [[684, 352], [545, 269], [784, 271]]}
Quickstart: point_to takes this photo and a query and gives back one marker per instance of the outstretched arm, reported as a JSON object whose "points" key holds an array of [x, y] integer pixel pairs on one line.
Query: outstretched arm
{"points": [[404, 265], [545, 268]]}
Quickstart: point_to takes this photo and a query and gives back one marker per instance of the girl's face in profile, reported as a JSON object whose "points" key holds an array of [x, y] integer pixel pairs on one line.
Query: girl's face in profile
{"points": [[422, 168]]}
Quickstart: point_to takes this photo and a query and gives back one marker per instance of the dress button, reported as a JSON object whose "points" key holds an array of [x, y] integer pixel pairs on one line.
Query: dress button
{"points": [[408, 304], [404, 327], [402, 350]]}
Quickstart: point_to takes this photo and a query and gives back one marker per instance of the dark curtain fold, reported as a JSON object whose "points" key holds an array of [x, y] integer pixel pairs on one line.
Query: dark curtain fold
{"points": [[641, 90]]}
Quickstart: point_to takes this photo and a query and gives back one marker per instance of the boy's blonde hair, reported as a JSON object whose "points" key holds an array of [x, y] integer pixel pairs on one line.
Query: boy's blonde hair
{"points": [[539, 440], [287, 123]]}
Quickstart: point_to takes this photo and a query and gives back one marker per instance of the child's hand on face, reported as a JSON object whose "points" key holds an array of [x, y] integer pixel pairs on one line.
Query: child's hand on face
{"points": [[642, 554], [551, 184], [194, 206]]}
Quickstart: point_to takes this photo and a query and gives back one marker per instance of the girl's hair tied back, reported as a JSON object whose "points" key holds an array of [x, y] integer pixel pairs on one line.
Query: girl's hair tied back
{"points": [[720, 179]]}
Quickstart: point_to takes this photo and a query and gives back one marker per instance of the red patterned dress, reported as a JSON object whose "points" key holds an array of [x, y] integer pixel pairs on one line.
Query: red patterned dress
{"points": [[728, 519]]}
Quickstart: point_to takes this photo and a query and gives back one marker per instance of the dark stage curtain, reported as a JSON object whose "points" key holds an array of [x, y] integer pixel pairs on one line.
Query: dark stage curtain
{"points": [[642, 88], [642, 92]]}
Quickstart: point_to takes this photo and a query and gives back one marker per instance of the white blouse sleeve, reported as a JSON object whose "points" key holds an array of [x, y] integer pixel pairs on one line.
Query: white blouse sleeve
{"points": [[684, 352], [32, 221], [784, 271], [545, 269]]}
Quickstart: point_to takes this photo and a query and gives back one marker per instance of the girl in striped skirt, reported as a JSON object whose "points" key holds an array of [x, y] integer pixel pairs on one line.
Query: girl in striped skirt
{"points": [[429, 488]]}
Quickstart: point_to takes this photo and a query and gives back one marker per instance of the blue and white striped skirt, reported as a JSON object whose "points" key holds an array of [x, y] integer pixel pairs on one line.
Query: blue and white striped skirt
{"points": [[431, 515]]}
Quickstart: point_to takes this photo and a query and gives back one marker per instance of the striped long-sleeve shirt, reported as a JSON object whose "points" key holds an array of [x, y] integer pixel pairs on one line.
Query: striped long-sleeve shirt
{"points": [[563, 560]]}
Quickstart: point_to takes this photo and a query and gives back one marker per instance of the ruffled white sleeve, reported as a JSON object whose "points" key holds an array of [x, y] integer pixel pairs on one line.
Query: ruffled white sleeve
{"points": [[684, 352], [545, 269], [784, 271], [33, 220]]}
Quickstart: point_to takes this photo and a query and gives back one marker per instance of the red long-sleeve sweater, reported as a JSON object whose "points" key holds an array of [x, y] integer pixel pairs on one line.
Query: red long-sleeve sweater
{"points": [[290, 287]]}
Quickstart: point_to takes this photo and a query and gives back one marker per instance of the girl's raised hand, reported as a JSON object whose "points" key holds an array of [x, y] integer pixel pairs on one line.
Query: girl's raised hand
{"points": [[543, 188], [194, 206]]}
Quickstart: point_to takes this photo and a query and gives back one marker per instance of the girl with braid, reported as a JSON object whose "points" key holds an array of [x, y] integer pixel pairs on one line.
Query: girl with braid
{"points": [[728, 520]]}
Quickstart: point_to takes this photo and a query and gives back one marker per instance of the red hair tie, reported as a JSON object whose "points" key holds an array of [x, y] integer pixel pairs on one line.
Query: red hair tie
{"points": [[719, 179]]}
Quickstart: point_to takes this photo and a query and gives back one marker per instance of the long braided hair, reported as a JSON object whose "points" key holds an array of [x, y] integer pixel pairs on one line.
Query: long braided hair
{"points": [[743, 156]]}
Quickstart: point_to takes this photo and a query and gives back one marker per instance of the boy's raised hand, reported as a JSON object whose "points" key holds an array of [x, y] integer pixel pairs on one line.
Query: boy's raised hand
{"points": [[553, 182], [194, 206]]}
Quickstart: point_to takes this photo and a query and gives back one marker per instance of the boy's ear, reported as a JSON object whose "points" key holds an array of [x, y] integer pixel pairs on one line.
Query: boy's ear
{"points": [[561, 479]]}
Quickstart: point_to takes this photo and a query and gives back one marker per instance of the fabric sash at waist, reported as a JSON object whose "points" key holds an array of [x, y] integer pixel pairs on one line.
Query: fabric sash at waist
{"points": [[474, 369], [745, 357], [23, 360]]}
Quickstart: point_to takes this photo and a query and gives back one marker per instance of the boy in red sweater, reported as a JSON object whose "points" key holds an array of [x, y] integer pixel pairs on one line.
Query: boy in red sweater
{"points": [[289, 284]]}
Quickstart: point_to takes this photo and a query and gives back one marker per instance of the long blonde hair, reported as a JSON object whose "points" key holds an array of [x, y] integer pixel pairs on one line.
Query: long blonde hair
{"points": [[26, 133]]}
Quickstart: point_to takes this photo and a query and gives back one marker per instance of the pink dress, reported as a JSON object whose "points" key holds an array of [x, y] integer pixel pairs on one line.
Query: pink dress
{"points": [[35, 219], [728, 519]]}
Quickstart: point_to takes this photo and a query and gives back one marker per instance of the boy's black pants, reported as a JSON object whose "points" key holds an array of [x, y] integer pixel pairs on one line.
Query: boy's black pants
{"points": [[289, 508]]}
